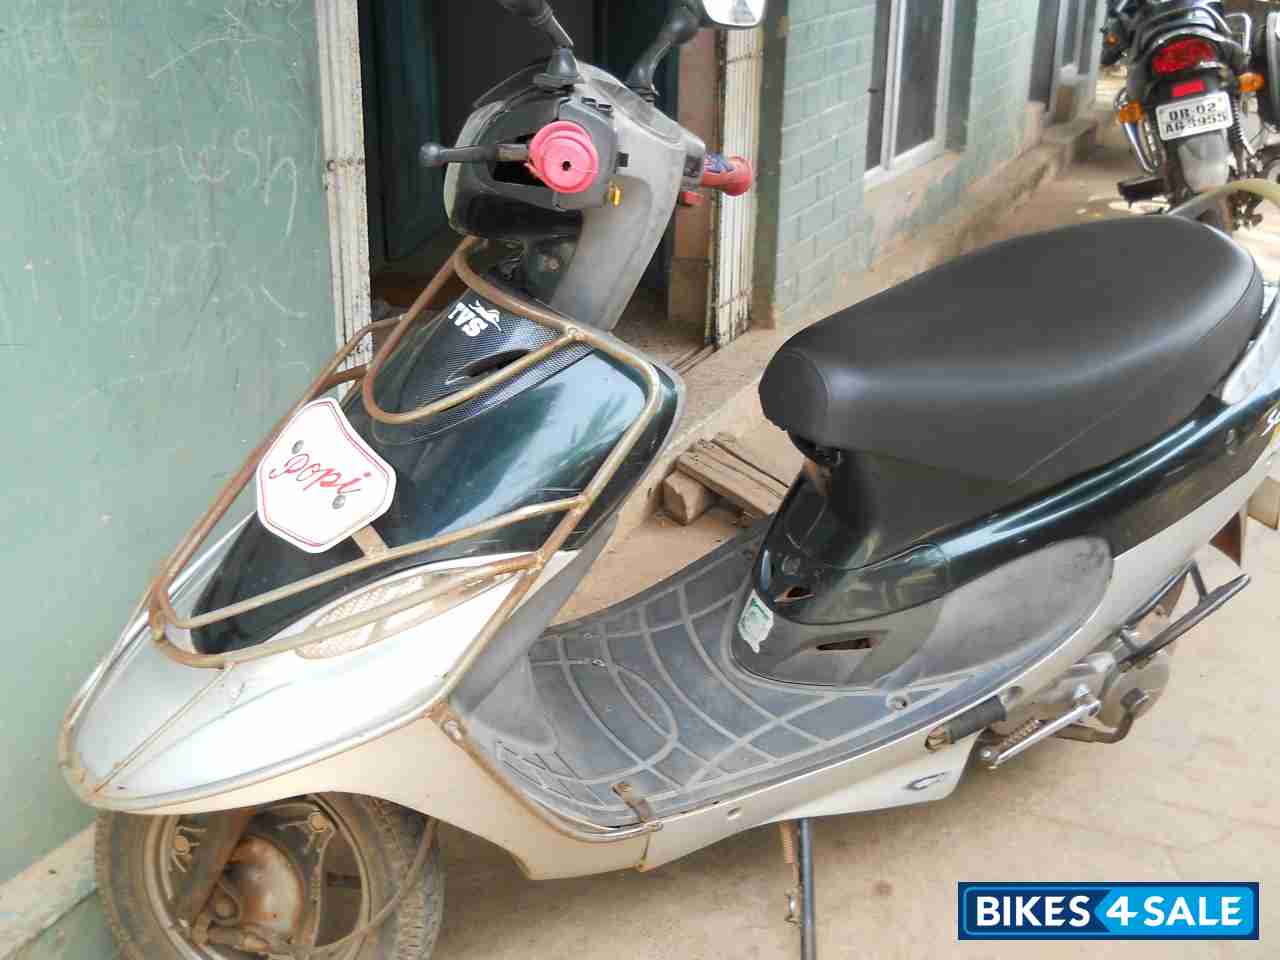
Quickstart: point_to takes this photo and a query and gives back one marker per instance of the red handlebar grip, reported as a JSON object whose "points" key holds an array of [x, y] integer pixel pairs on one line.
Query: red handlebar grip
{"points": [[563, 157], [732, 176]]}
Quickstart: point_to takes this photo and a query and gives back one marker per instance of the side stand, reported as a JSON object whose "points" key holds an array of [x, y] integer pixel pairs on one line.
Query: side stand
{"points": [[797, 851]]}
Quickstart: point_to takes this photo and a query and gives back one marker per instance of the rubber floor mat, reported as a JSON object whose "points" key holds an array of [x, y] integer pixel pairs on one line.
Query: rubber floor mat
{"points": [[647, 694]]}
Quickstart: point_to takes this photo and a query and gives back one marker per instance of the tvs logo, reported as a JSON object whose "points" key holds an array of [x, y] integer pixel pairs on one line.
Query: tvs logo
{"points": [[475, 319], [320, 482]]}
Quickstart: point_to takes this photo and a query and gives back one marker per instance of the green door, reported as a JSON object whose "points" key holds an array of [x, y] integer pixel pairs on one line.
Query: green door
{"points": [[402, 97]]}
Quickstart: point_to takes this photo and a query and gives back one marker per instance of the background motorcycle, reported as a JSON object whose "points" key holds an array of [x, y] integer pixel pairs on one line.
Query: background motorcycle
{"points": [[1117, 29], [1190, 70]]}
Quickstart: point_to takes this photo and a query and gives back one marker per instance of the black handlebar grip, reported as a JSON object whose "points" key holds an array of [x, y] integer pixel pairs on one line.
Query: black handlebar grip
{"points": [[438, 155], [432, 155]]}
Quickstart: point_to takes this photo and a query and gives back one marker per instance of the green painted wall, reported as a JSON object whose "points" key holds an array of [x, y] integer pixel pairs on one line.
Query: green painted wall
{"points": [[82, 934], [164, 294], [818, 63]]}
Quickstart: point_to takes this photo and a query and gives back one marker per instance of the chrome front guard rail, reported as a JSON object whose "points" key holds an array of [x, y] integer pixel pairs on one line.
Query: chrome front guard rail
{"points": [[161, 614], [1148, 154]]}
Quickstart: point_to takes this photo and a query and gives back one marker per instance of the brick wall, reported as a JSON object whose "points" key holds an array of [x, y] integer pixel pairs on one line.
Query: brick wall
{"points": [[815, 225]]}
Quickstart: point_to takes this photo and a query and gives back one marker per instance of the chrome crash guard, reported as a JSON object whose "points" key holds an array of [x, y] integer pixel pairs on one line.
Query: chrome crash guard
{"points": [[1144, 144]]}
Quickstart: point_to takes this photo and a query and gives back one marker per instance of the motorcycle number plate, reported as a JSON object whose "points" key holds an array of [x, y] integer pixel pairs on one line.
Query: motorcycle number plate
{"points": [[320, 482], [1185, 118]]}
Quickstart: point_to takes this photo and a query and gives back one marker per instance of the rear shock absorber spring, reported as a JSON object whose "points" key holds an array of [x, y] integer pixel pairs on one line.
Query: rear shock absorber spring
{"points": [[1236, 133]]}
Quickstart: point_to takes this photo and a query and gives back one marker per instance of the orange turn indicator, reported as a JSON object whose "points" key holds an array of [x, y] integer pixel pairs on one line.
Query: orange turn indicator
{"points": [[1252, 82], [1129, 113]]}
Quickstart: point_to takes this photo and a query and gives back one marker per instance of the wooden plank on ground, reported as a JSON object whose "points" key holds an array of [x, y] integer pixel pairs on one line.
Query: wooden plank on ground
{"points": [[739, 482], [685, 499], [754, 457]]}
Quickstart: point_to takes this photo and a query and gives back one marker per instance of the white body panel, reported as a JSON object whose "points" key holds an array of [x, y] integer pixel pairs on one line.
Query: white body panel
{"points": [[417, 766]]}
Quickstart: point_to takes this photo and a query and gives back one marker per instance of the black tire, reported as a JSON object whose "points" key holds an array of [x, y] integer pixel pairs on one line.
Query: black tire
{"points": [[1218, 216], [385, 836]]}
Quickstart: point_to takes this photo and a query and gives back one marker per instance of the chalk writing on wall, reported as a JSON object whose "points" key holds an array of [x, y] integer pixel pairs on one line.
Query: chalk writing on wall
{"points": [[164, 294]]}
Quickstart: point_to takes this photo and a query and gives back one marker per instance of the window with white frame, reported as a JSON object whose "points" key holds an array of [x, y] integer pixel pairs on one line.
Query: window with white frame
{"points": [[910, 73], [1061, 45], [1072, 34]]}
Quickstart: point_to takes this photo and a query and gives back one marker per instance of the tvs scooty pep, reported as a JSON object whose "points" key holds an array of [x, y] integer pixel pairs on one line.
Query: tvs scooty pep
{"points": [[1011, 463]]}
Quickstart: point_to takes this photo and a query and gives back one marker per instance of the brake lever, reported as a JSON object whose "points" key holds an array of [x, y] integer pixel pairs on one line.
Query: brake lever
{"points": [[438, 155]]}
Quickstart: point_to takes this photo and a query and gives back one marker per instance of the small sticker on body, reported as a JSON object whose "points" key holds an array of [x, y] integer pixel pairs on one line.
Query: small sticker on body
{"points": [[756, 622]]}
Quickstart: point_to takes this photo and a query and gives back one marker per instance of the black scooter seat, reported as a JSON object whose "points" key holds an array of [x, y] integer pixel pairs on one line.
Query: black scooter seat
{"points": [[1031, 361]]}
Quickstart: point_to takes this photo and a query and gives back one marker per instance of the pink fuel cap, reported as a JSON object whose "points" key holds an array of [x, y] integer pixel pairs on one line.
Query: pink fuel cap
{"points": [[563, 157]]}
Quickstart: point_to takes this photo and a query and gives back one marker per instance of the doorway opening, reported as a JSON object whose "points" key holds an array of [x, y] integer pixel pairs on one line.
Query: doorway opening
{"points": [[423, 64]]}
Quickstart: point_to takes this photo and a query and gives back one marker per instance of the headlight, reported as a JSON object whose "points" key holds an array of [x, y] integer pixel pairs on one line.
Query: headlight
{"points": [[394, 623]]}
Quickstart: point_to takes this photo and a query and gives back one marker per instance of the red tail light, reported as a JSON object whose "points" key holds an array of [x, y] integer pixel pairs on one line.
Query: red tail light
{"points": [[1183, 54], [1188, 87]]}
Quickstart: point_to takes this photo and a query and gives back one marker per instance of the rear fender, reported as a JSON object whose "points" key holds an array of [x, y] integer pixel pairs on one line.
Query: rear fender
{"points": [[1205, 160]]}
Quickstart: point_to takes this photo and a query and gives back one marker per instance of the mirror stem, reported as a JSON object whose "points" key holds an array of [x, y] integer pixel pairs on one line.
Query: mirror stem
{"points": [[562, 68], [681, 26], [546, 22]]}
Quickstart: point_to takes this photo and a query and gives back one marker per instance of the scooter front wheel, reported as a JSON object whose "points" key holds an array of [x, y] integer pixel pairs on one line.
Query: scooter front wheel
{"points": [[308, 872]]}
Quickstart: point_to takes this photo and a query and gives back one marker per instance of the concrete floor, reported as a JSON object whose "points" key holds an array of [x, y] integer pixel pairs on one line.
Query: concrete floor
{"points": [[1191, 795]]}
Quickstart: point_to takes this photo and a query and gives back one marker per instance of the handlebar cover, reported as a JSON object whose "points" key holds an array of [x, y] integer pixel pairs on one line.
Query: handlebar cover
{"points": [[732, 176]]}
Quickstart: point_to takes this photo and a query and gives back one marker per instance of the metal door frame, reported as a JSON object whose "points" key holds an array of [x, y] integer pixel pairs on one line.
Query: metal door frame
{"points": [[342, 116], [741, 56]]}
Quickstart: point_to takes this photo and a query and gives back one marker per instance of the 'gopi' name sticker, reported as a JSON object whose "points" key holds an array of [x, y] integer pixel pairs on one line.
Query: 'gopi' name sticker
{"points": [[756, 622]]}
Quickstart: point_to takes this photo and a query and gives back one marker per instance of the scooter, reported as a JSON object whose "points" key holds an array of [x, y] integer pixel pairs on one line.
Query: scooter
{"points": [[1010, 464]]}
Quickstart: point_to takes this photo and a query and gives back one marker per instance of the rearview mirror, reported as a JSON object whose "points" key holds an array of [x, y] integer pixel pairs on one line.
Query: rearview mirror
{"points": [[741, 14]]}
